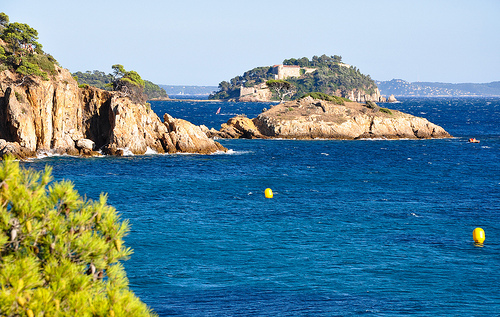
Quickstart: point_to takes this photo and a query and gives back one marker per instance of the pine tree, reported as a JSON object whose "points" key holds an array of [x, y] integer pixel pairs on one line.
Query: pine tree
{"points": [[60, 253]]}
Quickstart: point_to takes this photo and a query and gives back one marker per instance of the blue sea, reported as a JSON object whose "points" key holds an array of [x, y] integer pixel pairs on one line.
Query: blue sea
{"points": [[368, 228]]}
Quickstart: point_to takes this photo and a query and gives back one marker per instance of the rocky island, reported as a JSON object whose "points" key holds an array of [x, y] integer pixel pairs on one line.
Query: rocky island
{"points": [[326, 74], [311, 118]]}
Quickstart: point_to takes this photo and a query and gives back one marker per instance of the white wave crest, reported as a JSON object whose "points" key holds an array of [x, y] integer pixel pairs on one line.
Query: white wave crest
{"points": [[231, 152], [150, 151]]}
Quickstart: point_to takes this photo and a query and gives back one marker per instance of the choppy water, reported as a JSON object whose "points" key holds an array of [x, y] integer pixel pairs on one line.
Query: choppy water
{"points": [[375, 228]]}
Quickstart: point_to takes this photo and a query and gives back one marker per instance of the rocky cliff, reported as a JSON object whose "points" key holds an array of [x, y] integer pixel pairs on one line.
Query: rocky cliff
{"points": [[310, 118], [56, 116], [359, 95]]}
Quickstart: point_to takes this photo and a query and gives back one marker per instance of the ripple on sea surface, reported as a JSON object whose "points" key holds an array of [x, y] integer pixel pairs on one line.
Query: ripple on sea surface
{"points": [[374, 227]]}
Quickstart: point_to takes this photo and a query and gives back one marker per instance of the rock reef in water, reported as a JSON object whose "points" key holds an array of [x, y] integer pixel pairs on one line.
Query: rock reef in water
{"points": [[310, 118], [392, 99], [56, 116]]}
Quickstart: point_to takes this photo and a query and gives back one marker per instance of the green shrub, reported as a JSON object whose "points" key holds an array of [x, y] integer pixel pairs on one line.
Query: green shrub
{"points": [[27, 68], [19, 97], [134, 78], [60, 253], [372, 105], [44, 62], [154, 91], [3, 57], [326, 97], [385, 110]]}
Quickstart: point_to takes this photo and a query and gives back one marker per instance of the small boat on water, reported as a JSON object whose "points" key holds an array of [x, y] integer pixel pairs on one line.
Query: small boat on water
{"points": [[218, 111], [473, 140]]}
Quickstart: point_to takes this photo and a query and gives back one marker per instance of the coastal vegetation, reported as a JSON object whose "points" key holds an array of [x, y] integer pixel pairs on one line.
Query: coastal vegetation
{"points": [[231, 89], [282, 88], [129, 83], [20, 51], [105, 81], [331, 77], [96, 79], [60, 253], [328, 74]]}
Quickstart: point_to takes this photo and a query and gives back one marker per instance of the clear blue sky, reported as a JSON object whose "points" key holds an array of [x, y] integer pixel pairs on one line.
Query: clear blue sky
{"points": [[200, 42]]}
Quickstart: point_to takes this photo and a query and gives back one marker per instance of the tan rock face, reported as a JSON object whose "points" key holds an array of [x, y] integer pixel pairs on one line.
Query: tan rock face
{"points": [[56, 116], [310, 119], [240, 127], [392, 99], [188, 138]]}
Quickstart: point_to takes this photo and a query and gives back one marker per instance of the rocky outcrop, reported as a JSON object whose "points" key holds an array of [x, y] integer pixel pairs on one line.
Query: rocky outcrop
{"points": [[240, 127], [56, 116], [189, 138], [359, 95], [309, 118], [392, 99]]}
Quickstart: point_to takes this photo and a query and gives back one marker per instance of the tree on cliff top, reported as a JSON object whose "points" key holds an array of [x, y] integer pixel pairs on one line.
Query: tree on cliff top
{"points": [[282, 88], [21, 52], [4, 20], [60, 253], [21, 38], [316, 61], [130, 83], [104, 81]]}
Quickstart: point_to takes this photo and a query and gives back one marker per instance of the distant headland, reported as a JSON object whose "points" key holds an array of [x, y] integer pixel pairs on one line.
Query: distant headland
{"points": [[402, 88]]}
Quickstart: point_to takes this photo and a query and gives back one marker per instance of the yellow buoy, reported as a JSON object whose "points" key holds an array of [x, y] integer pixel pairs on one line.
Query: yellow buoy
{"points": [[478, 235], [268, 192]]}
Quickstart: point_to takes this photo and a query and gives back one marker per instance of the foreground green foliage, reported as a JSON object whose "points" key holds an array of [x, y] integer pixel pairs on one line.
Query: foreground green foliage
{"points": [[20, 52], [323, 96], [60, 253], [331, 77]]}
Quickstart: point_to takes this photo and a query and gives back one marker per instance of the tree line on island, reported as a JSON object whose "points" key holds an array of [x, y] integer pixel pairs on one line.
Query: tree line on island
{"points": [[330, 76]]}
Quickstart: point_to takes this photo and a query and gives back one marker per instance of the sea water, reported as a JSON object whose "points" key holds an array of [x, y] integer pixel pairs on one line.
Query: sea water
{"points": [[374, 227]]}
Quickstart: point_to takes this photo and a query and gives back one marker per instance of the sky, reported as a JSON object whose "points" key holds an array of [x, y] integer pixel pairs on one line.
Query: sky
{"points": [[195, 42]]}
